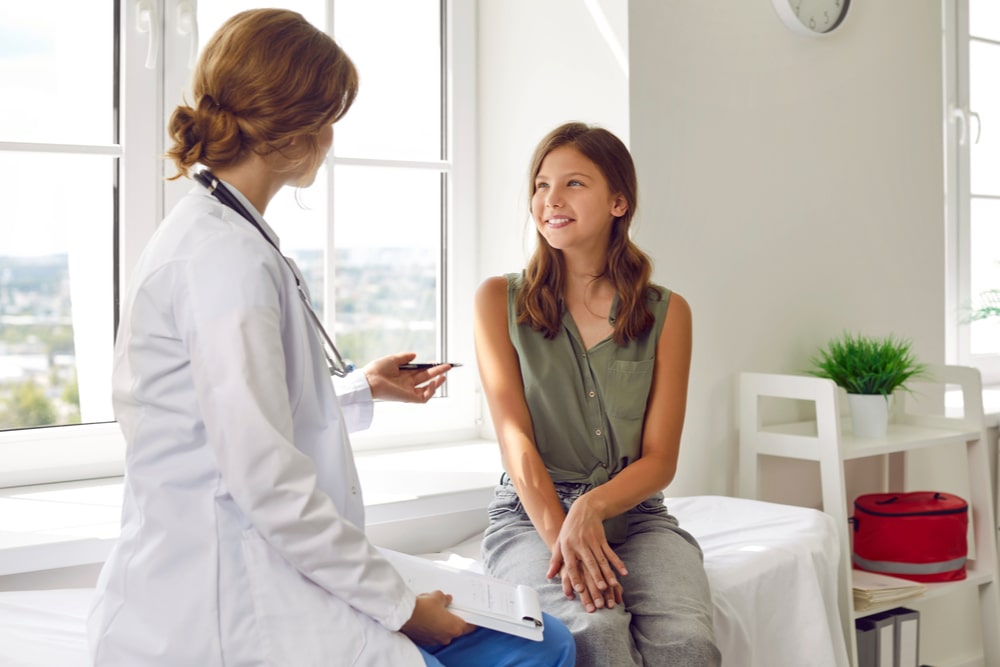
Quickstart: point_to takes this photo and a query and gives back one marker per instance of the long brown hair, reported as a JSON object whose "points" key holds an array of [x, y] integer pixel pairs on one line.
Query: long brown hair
{"points": [[539, 302], [267, 77]]}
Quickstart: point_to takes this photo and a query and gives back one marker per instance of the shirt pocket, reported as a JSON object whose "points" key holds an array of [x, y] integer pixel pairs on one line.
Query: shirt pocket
{"points": [[627, 388]]}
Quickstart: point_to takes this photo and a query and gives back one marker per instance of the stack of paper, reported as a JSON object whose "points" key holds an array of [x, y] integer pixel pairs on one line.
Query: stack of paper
{"points": [[876, 590]]}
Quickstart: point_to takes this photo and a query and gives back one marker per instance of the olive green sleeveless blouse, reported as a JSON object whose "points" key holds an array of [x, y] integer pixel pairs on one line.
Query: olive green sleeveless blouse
{"points": [[587, 406]]}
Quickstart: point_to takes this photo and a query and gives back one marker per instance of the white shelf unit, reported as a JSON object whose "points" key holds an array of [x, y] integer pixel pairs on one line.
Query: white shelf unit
{"points": [[828, 440]]}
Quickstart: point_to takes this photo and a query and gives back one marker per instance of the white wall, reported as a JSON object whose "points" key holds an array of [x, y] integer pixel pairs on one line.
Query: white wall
{"points": [[792, 189]]}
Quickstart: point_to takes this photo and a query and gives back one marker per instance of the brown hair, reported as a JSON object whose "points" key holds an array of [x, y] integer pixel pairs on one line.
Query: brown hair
{"points": [[266, 77], [539, 301]]}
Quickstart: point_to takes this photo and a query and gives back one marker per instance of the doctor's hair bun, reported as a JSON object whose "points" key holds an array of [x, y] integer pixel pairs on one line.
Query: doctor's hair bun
{"points": [[209, 135]]}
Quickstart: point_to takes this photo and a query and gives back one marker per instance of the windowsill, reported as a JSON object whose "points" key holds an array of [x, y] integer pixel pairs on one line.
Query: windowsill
{"points": [[49, 526]]}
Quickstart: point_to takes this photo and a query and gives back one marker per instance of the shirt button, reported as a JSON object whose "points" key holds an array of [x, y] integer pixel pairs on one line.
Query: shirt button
{"points": [[354, 490], [597, 432], [591, 394]]}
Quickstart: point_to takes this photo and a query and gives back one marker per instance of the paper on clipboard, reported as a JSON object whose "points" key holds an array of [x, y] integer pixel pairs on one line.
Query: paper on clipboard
{"points": [[476, 598]]}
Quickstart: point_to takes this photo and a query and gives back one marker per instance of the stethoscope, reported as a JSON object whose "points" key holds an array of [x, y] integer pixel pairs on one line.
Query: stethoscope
{"points": [[215, 187]]}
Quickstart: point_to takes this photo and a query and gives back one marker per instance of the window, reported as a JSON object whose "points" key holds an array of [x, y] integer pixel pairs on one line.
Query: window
{"points": [[972, 56], [59, 166], [384, 258]]}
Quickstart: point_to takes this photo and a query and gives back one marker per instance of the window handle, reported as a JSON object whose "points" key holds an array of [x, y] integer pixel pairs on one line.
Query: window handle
{"points": [[961, 116], [958, 115], [145, 22], [979, 125], [187, 24]]}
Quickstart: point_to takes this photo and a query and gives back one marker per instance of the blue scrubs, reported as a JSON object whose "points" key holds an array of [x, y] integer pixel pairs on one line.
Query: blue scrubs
{"points": [[499, 649]]}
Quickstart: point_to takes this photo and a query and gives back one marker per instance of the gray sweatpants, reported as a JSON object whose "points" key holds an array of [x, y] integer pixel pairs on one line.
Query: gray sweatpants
{"points": [[666, 618]]}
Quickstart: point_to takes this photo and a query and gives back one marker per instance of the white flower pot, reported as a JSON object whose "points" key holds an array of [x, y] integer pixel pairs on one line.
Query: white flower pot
{"points": [[870, 414]]}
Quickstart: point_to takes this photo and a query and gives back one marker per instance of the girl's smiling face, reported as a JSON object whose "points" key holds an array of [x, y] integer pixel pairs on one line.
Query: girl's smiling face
{"points": [[572, 205]]}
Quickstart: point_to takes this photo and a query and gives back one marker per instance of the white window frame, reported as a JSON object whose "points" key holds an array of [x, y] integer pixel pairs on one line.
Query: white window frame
{"points": [[63, 453], [456, 416], [960, 130]]}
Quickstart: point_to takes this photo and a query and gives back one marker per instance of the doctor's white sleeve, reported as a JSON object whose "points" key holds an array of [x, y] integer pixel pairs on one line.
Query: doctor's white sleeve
{"points": [[355, 397], [229, 309]]}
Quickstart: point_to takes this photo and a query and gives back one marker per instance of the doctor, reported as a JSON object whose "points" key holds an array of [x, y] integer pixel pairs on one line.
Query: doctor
{"points": [[242, 539]]}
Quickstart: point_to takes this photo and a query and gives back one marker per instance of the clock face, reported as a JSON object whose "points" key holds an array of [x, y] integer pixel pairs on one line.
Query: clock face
{"points": [[812, 17]]}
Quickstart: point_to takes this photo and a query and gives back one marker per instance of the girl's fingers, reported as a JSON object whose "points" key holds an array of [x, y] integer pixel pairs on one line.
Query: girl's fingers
{"points": [[614, 560], [587, 600], [556, 562], [567, 586], [596, 572]]}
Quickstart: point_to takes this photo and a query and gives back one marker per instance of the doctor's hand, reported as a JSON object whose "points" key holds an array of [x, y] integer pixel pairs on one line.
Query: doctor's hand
{"points": [[389, 383], [431, 624]]}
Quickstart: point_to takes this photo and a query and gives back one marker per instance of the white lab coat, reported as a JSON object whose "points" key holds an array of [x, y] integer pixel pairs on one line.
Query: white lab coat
{"points": [[242, 538]]}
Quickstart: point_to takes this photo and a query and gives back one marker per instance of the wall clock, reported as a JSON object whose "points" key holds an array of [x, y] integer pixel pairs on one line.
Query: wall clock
{"points": [[812, 17]]}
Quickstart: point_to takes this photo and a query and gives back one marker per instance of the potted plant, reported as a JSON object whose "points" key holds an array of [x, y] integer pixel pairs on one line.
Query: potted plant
{"points": [[869, 369]]}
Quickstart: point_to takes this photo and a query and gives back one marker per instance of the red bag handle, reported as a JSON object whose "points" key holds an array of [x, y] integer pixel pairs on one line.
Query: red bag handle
{"points": [[937, 496]]}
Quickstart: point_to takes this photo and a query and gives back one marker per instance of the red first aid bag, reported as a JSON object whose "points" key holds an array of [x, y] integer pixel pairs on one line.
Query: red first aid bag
{"points": [[919, 535]]}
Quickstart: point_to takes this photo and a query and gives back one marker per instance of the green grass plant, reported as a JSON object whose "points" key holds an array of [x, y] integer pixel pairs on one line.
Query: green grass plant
{"points": [[867, 365]]}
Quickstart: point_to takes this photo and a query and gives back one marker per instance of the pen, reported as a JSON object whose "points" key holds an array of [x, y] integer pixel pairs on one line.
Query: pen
{"points": [[425, 365]]}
